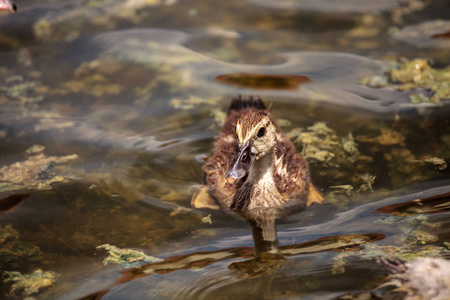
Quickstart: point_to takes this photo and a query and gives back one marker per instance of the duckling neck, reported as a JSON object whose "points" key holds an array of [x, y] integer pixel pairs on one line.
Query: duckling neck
{"points": [[261, 171], [259, 190]]}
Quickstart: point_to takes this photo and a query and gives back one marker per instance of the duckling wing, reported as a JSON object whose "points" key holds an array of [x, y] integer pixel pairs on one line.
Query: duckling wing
{"points": [[291, 174], [215, 168]]}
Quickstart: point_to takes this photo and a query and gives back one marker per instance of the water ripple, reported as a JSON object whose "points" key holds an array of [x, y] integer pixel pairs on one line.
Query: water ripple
{"points": [[333, 75]]}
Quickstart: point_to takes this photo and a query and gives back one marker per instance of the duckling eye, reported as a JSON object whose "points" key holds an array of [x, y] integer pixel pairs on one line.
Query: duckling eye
{"points": [[261, 132]]}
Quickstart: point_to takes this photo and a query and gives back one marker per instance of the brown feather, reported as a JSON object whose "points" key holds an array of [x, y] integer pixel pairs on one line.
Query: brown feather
{"points": [[291, 173]]}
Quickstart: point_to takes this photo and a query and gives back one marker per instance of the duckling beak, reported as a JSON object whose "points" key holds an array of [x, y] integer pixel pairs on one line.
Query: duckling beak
{"points": [[241, 164]]}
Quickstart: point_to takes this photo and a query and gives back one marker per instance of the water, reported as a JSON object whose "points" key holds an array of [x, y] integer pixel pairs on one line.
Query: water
{"points": [[127, 97]]}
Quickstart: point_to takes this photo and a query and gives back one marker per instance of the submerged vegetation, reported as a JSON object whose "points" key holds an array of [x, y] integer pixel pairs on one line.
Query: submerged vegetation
{"points": [[415, 240], [110, 108], [13, 251], [13, 254], [36, 172], [126, 257], [321, 143], [28, 284], [425, 85]]}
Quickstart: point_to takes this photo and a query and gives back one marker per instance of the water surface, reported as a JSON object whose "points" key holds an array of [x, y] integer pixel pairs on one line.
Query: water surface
{"points": [[125, 100]]}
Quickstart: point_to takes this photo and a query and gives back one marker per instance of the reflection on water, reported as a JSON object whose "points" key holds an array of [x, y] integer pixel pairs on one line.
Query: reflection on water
{"points": [[430, 34], [265, 262], [201, 274], [444, 35], [429, 205], [261, 81], [339, 6], [330, 78], [9, 202], [108, 109]]}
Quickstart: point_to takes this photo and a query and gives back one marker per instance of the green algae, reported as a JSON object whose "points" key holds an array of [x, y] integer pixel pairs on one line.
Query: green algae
{"points": [[406, 222], [24, 90], [414, 77], [95, 78], [13, 251], [195, 102], [36, 172], [321, 144], [207, 220], [348, 164], [338, 158], [415, 240], [439, 163], [219, 116], [165, 76], [421, 237], [387, 137], [406, 252], [417, 73], [108, 14], [350, 146], [180, 210], [345, 188], [43, 30], [192, 102], [29, 284], [447, 245], [170, 196], [126, 257], [368, 181]]}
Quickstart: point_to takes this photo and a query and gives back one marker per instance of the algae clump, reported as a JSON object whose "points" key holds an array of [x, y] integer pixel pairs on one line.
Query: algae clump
{"points": [[350, 146], [33, 173], [368, 180], [207, 219], [345, 188], [321, 143], [127, 257], [439, 163], [28, 284], [12, 250], [427, 86], [413, 241]]}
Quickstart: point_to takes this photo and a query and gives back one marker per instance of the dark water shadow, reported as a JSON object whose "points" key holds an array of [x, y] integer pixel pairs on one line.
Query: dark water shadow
{"points": [[429, 205], [260, 260], [214, 266], [10, 202], [263, 81], [444, 35]]}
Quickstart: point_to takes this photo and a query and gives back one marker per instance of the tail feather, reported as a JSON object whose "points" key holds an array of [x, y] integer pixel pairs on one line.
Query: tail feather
{"points": [[239, 103]]}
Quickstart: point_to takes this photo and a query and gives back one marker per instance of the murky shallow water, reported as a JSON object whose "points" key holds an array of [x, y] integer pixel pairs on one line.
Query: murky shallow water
{"points": [[127, 98]]}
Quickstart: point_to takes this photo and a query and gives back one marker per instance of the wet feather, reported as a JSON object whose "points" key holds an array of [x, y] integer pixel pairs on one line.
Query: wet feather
{"points": [[287, 186]]}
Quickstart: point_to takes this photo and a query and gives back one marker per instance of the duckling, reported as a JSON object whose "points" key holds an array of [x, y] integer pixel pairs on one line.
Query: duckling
{"points": [[8, 5], [255, 171], [420, 278]]}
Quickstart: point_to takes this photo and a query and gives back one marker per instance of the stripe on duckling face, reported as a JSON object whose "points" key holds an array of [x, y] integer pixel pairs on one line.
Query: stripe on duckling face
{"points": [[249, 124]]}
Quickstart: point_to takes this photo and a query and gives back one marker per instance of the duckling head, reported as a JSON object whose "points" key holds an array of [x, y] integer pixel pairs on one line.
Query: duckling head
{"points": [[256, 136]]}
